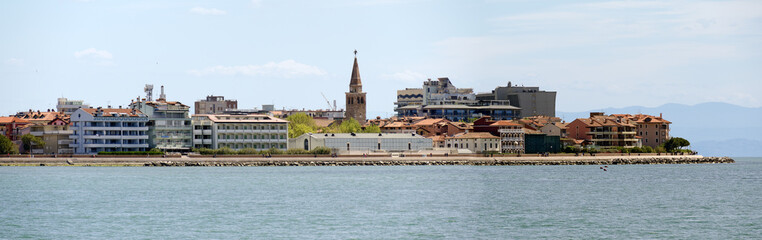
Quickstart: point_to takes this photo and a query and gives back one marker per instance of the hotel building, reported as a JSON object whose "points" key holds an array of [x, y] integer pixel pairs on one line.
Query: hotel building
{"points": [[259, 132]]}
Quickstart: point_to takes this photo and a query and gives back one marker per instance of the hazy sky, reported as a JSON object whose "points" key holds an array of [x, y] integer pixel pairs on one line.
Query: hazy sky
{"points": [[595, 54]]}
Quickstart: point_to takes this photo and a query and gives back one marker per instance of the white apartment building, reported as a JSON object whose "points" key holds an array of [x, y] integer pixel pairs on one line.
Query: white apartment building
{"points": [[108, 130], [255, 131]]}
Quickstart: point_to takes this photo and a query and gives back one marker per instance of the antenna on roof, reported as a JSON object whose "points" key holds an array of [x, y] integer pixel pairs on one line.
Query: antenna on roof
{"points": [[149, 92]]}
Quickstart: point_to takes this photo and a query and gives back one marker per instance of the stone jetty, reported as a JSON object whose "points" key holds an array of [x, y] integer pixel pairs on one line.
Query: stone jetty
{"points": [[358, 161]]}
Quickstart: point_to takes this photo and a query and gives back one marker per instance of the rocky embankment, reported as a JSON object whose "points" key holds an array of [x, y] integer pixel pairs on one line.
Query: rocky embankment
{"points": [[485, 161], [364, 161]]}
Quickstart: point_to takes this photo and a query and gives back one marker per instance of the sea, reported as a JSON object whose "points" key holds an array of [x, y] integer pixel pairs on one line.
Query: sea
{"points": [[691, 201]]}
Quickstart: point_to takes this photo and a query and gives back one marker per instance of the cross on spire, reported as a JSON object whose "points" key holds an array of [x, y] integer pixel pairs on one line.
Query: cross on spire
{"points": [[355, 52]]}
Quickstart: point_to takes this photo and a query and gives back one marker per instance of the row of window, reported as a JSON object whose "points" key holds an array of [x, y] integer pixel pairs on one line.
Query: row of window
{"points": [[641, 133], [252, 127], [249, 145]]}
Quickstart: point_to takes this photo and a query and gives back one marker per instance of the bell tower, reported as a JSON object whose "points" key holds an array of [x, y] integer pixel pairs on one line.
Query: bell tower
{"points": [[355, 97]]}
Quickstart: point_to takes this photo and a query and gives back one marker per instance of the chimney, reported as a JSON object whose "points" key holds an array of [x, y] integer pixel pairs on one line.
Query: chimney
{"points": [[659, 115], [162, 96]]}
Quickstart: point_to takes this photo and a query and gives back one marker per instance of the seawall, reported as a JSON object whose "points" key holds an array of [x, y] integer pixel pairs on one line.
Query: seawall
{"points": [[360, 161]]}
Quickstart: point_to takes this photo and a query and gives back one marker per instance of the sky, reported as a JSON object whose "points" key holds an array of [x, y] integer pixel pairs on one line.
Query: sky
{"points": [[594, 54]]}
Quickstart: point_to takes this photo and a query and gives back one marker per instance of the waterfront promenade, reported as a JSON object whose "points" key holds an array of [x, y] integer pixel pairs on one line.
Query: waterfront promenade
{"points": [[357, 160]]}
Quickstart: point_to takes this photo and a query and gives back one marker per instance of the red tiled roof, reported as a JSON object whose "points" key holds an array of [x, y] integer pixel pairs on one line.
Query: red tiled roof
{"points": [[474, 135], [506, 123], [6, 120]]}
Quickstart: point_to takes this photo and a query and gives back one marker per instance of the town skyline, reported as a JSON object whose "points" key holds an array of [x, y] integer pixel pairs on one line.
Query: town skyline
{"points": [[604, 54]]}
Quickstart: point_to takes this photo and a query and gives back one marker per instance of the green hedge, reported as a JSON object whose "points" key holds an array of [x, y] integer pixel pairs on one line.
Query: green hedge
{"points": [[152, 152], [251, 151]]}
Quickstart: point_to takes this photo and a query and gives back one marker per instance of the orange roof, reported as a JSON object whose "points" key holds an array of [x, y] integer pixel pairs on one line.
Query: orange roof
{"points": [[7, 120], [42, 117], [474, 135], [437, 138], [506, 123], [430, 121], [394, 125]]}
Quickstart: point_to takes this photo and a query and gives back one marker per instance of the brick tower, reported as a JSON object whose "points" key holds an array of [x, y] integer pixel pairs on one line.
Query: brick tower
{"points": [[355, 97]]}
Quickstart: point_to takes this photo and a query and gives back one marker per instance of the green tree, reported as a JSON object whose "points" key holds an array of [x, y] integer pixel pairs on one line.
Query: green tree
{"points": [[372, 129], [296, 130], [676, 143], [350, 126], [301, 118], [7, 146], [27, 140], [300, 123]]}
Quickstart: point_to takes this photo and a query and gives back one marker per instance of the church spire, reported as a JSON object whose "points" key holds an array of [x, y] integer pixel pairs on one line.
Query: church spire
{"points": [[355, 96], [355, 85]]}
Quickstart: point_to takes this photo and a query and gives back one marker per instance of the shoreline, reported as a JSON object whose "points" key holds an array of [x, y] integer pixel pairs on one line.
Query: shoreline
{"points": [[361, 161]]}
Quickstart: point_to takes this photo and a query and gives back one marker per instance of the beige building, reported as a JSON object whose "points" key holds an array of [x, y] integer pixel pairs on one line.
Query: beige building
{"points": [[653, 131], [554, 129], [55, 134], [476, 142], [259, 132], [214, 105]]}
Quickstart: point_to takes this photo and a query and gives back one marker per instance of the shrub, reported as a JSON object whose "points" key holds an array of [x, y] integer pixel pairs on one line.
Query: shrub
{"points": [[248, 151], [647, 149], [321, 150], [295, 151], [203, 151], [151, 152], [571, 149]]}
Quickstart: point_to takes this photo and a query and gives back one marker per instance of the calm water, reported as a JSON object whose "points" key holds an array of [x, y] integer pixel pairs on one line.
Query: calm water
{"points": [[717, 201]]}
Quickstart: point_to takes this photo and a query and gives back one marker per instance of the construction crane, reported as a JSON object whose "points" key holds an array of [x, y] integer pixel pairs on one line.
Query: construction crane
{"points": [[333, 108]]}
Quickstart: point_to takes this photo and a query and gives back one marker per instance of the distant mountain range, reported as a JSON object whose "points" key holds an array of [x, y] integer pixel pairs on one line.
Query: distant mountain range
{"points": [[714, 129]]}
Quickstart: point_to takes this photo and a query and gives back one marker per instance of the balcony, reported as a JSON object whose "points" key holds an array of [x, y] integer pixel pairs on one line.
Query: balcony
{"points": [[614, 140], [115, 128], [513, 147], [512, 139], [510, 131], [610, 133]]}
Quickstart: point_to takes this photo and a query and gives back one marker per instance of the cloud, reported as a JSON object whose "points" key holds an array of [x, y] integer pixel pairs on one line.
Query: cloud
{"points": [[14, 61], [207, 11], [288, 68], [93, 53]]}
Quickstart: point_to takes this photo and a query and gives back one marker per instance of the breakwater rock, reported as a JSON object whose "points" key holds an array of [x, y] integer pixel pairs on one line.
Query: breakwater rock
{"points": [[360, 161], [476, 161]]}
